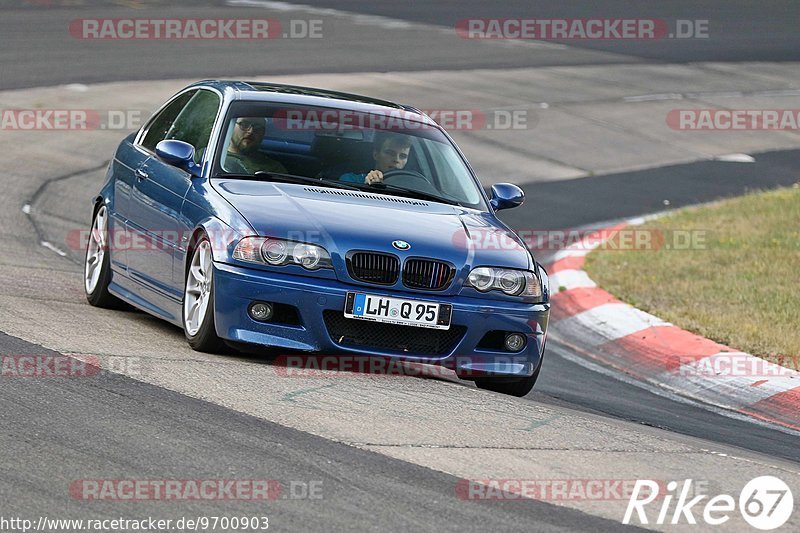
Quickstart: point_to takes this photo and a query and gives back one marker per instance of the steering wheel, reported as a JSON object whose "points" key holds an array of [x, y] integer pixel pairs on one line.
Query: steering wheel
{"points": [[409, 179]]}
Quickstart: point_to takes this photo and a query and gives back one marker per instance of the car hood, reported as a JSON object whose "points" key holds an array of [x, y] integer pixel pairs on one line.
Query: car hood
{"points": [[343, 220]]}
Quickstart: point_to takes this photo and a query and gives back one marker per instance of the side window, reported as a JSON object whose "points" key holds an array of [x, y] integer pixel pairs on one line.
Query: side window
{"points": [[160, 126], [194, 123]]}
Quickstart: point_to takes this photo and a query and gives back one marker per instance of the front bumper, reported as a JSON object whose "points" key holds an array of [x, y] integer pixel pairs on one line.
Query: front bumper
{"points": [[235, 288]]}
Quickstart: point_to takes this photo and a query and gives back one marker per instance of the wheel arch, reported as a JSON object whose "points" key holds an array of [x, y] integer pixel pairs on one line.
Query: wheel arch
{"points": [[221, 236], [97, 201]]}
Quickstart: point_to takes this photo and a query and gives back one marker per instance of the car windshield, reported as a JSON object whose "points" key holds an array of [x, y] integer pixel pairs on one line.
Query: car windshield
{"points": [[335, 147]]}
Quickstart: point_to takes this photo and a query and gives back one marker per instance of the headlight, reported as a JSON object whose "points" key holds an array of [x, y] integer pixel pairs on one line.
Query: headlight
{"points": [[482, 279], [279, 252], [275, 252], [308, 256], [512, 282]]}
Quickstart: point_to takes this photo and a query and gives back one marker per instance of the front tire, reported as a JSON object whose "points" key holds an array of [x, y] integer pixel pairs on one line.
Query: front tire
{"points": [[198, 301], [97, 264]]}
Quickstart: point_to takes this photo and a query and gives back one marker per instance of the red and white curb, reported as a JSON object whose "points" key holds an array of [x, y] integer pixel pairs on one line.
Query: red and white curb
{"points": [[659, 353]]}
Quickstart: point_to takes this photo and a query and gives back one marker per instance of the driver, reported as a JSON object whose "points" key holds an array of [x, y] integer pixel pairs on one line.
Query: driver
{"points": [[243, 148], [390, 152]]}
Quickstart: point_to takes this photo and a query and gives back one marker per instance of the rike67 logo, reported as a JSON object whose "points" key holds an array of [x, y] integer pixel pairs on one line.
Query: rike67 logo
{"points": [[765, 503]]}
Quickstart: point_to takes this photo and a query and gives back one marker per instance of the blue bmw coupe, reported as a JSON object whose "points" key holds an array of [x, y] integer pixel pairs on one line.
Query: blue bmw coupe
{"points": [[300, 219]]}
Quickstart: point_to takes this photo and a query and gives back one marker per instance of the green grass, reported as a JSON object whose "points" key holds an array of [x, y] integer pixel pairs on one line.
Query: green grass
{"points": [[739, 282]]}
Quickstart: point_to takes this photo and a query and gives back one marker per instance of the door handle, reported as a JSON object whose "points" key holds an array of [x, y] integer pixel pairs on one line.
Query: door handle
{"points": [[141, 174]]}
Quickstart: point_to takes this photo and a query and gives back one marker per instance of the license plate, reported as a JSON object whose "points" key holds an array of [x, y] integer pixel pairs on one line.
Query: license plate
{"points": [[397, 311]]}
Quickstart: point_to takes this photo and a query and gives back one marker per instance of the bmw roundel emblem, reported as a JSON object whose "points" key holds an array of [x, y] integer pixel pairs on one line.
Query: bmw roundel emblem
{"points": [[401, 245]]}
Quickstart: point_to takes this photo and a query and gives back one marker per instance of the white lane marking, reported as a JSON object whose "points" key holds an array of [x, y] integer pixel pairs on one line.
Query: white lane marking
{"points": [[613, 320], [356, 18], [577, 249], [779, 92], [717, 94], [736, 158], [384, 22], [662, 390], [77, 87], [282, 6], [567, 252], [570, 279], [27, 210], [53, 248], [591, 242], [653, 97]]}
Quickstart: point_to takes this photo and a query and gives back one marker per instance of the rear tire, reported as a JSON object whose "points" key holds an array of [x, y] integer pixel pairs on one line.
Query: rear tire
{"points": [[97, 264], [197, 313]]}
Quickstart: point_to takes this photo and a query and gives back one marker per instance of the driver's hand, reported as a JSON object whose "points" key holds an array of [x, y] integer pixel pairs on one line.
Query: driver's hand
{"points": [[375, 176]]}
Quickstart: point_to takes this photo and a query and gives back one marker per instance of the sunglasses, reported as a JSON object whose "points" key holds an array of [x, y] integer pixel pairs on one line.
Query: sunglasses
{"points": [[246, 125]]}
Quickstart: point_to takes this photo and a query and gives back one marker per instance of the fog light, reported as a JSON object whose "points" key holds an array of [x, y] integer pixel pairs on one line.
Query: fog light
{"points": [[262, 311], [515, 342]]}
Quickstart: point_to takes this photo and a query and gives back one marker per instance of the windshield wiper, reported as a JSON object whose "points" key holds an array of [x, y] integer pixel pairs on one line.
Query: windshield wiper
{"points": [[290, 178], [414, 193]]}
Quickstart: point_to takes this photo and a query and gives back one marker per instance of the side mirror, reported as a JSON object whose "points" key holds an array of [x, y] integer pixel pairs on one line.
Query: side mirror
{"points": [[506, 196], [178, 154]]}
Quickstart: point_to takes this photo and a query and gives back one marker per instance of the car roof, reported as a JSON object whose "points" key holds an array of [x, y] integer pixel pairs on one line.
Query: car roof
{"points": [[296, 94]]}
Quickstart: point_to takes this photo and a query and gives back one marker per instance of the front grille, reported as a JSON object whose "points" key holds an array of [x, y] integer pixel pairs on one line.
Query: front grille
{"points": [[390, 337], [427, 274], [371, 267]]}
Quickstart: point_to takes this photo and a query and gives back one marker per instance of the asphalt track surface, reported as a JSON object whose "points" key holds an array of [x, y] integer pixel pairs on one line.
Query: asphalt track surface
{"points": [[596, 199], [35, 53], [45, 429], [739, 28], [139, 431]]}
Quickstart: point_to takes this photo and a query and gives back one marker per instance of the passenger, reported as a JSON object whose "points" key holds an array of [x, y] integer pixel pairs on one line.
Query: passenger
{"points": [[243, 148], [390, 152]]}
